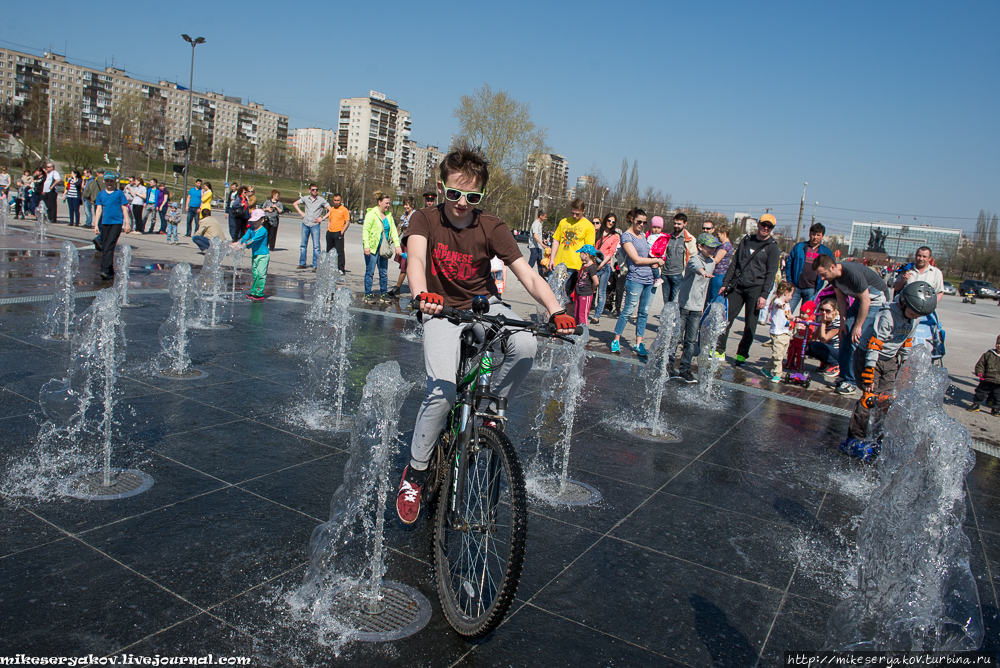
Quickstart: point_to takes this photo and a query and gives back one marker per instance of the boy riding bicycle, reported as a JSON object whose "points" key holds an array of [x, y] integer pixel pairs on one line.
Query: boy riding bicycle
{"points": [[449, 248]]}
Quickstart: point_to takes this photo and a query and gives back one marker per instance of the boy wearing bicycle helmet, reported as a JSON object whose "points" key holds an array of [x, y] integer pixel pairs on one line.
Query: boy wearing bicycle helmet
{"points": [[449, 248], [885, 345]]}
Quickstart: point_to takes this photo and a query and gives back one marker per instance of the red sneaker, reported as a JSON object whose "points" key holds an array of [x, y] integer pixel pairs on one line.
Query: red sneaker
{"points": [[408, 498]]}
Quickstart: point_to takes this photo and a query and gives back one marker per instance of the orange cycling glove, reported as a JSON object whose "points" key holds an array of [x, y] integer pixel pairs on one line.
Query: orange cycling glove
{"points": [[868, 375], [562, 321], [431, 298]]}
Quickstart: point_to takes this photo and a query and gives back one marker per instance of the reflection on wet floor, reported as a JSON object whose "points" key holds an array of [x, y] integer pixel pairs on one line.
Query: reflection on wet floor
{"points": [[729, 545]]}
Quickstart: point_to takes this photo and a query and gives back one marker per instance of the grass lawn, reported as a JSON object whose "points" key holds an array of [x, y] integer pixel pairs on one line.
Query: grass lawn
{"points": [[263, 184]]}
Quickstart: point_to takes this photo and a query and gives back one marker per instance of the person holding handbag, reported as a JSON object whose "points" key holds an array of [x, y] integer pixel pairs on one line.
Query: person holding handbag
{"points": [[239, 214], [381, 242]]}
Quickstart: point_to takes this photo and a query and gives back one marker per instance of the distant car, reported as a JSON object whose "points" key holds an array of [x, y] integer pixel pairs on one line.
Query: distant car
{"points": [[218, 203], [949, 289], [521, 236], [983, 289]]}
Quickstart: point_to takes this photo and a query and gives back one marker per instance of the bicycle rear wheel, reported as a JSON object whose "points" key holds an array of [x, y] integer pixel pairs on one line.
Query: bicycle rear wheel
{"points": [[477, 565]]}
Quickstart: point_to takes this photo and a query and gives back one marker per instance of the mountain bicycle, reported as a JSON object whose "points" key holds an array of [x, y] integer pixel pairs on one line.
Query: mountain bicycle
{"points": [[475, 487]]}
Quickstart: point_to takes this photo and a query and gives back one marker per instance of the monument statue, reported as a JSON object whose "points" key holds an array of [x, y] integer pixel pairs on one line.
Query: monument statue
{"points": [[880, 238], [876, 240]]}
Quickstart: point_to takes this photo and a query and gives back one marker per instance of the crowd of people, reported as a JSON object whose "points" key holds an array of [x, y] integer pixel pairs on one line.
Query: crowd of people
{"points": [[858, 327]]}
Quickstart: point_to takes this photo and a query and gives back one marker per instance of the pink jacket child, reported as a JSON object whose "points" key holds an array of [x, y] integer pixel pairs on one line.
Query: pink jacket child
{"points": [[659, 247]]}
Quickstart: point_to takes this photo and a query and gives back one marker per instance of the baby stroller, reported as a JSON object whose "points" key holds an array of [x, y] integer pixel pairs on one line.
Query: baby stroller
{"points": [[795, 360], [930, 333]]}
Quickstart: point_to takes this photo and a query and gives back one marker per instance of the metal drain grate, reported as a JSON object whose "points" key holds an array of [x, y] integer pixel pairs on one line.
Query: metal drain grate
{"points": [[402, 612], [187, 374], [124, 483], [647, 435], [574, 493]]}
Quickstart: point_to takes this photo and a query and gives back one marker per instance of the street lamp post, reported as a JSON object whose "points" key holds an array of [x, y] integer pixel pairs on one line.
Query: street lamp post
{"points": [[802, 205], [187, 143]]}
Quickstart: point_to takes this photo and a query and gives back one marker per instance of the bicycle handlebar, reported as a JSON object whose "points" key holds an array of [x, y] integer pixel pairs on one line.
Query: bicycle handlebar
{"points": [[544, 329]]}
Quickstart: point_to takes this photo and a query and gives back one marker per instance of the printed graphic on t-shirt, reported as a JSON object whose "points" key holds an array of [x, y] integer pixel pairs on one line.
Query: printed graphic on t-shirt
{"points": [[452, 265], [569, 238]]}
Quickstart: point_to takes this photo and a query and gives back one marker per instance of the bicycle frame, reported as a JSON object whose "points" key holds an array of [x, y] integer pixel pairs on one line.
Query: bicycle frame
{"points": [[473, 388]]}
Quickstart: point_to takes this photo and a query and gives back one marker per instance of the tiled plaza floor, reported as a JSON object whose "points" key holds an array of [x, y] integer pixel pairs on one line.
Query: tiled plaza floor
{"points": [[726, 548]]}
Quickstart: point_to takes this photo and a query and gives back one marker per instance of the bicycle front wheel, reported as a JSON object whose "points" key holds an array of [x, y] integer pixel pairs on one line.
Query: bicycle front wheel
{"points": [[478, 556]]}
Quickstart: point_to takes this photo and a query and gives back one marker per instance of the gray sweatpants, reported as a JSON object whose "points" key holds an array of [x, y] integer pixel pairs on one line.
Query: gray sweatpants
{"points": [[442, 341]]}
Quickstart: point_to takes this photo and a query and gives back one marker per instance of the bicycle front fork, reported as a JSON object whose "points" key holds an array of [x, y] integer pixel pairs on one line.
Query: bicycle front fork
{"points": [[466, 445]]}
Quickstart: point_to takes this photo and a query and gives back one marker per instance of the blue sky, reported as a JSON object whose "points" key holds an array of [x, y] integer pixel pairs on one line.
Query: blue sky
{"points": [[881, 106]]}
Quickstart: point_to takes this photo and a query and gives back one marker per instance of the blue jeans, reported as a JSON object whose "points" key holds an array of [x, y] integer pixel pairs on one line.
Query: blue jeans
{"points": [[371, 260], [690, 320], [824, 352], [73, 204], [192, 217], [846, 352], [308, 232], [672, 287], [801, 295], [602, 289], [535, 257], [88, 208], [635, 293]]}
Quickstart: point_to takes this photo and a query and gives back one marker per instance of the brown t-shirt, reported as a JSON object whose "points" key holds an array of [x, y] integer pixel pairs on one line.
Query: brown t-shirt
{"points": [[458, 263]]}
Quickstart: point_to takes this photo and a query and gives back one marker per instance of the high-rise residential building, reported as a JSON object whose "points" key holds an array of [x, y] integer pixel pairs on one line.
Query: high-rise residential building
{"points": [[375, 128], [547, 175], [93, 95], [425, 161], [312, 145]]}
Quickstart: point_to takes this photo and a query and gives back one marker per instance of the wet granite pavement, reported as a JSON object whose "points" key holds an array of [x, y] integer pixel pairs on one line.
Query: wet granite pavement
{"points": [[727, 547]]}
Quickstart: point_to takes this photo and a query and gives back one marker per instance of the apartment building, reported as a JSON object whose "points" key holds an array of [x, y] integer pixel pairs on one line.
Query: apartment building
{"points": [[375, 128], [547, 175], [92, 95], [312, 145], [424, 165]]}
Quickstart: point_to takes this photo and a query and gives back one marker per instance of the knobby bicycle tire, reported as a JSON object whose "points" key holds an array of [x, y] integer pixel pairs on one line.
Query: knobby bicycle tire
{"points": [[477, 571]]}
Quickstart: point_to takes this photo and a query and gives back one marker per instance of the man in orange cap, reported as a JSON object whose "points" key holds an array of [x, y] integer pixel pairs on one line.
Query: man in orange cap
{"points": [[748, 282]]}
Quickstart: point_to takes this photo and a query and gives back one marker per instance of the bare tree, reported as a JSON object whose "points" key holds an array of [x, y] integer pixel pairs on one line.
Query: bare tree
{"points": [[66, 122], [503, 129], [350, 177], [271, 155]]}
